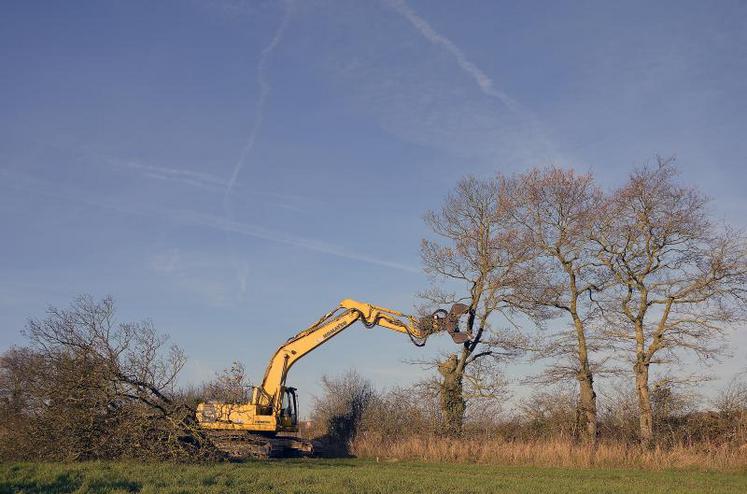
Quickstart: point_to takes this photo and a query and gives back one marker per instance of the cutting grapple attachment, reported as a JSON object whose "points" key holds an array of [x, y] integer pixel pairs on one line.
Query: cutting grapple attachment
{"points": [[452, 323], [441, 320]]}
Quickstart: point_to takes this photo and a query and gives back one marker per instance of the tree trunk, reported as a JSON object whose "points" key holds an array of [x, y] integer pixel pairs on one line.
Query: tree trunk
{"points": [[587, 396], [452, 398], [588, 405], [646, 416]]}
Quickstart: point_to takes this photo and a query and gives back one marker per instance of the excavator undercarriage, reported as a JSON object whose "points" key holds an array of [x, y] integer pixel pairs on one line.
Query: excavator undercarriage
{"points": [[243, 445]]}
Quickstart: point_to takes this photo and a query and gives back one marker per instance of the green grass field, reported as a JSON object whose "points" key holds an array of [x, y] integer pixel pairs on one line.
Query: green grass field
{"points": [[350, 476]]}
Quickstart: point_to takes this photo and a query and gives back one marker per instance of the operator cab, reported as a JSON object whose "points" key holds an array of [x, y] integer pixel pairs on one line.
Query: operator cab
{"points": [[288, 419]]}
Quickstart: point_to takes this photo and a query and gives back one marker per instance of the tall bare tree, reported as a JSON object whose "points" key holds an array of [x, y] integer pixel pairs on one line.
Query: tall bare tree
{"points": [[551, 211], [474, 260], [680, 279]]}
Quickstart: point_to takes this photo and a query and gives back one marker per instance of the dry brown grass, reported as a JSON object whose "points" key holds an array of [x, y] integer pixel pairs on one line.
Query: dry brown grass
{"points": [[551, 453]]}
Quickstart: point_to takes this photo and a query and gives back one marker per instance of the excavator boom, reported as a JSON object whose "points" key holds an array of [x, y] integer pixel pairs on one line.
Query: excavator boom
{"points": [[331, 324], [273, 405]]}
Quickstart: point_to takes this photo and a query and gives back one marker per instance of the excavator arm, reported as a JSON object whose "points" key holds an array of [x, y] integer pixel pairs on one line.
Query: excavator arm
{"points": [[241, 429], [334, 322]]}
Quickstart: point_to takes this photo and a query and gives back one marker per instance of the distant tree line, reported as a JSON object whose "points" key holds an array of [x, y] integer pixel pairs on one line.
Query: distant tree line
{"points": [[541, 428]]}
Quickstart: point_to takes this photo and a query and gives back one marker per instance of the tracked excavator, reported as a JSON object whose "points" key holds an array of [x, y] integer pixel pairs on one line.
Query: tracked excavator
{"points": [[264, 427]]}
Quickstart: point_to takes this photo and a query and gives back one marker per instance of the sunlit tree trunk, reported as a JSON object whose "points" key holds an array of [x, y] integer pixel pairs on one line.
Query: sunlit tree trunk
{"points": [[452, 396], [646, 416]]}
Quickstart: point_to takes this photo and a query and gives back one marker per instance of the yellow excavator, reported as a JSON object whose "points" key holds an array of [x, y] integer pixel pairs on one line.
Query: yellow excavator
{"points": [[263, 426]]}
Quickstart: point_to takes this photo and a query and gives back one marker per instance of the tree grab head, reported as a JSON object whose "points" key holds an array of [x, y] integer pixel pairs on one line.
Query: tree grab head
{"points": [[441, 320]]}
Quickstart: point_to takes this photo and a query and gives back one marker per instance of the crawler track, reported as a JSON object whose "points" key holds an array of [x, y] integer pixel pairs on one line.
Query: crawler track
{"points": [[239, 446]]}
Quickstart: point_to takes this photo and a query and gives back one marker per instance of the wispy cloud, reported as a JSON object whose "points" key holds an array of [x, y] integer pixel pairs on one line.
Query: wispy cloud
{"points": [[187, 217], [231, 226], [242, 276], [527, 132], [210, 183], [166, 262], [197, 179], [259, 116], [230, 8], [201, 274], [485, 83], [264, 91]]}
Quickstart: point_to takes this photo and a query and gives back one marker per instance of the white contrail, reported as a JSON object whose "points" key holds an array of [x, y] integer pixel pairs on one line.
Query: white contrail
{"points": [[484, 82], [264, 91], [259, 116], [32, 185], [230, 226], [197, 179]]}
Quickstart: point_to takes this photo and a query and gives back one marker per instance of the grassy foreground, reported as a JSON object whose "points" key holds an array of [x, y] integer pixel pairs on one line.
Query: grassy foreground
{"points": [[350, 476]]}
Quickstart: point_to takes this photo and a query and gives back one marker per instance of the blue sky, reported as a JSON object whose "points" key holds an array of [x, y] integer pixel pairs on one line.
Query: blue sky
{"points": [[231, 169]]}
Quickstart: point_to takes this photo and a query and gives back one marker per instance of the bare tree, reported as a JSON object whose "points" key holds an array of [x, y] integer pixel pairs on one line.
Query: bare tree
{"points": [[230, 386], [551, 212], [130, 355], [341, 408], [90, 387], [550, 412], [731, 403], [475, 260], [680, 280]]}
